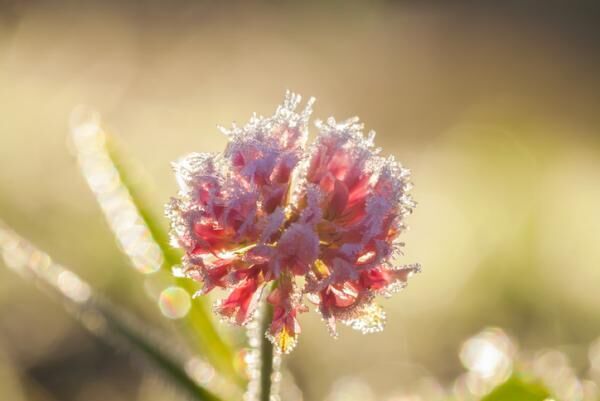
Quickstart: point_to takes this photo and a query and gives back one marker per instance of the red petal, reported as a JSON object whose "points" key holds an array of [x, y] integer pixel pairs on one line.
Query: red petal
{"points": [[239, 304], [339, 199]]}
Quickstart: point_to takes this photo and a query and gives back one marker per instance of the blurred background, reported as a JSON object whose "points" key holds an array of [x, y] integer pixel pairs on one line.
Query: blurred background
{"points": [[495, 107]]}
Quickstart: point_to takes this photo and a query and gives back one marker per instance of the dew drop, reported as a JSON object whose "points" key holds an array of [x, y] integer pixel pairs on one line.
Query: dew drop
{"points": [[85, 127], [174, 302], [199, 370], [72, 286]]}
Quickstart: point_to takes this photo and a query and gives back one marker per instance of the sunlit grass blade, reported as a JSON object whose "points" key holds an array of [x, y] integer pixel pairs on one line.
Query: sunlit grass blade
{"points": [[199, 319], [139, 232], [110, 324]]}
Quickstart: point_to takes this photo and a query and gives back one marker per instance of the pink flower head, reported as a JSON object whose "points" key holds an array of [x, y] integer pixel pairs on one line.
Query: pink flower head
{"points": [[316, 223]]}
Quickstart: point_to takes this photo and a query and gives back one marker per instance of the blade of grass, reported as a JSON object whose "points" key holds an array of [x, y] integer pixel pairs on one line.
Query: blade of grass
{"points": [[160, 358], [199, 321], [101, 163], [109, 324]]}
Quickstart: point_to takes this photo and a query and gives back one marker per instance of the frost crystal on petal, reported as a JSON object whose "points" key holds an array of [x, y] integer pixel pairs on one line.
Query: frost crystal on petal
{"points": [[322, 222], [371, 319]]}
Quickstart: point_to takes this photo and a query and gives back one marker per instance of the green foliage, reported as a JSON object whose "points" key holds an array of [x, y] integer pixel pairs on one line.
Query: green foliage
{"points": [[518, 388]]}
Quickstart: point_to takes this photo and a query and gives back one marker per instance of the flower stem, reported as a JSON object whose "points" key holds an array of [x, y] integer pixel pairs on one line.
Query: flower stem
{"points": [[263, 362], [266, 353]]}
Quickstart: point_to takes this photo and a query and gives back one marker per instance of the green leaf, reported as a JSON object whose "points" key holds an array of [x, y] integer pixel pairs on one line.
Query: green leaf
{"points": [[518, 388]]}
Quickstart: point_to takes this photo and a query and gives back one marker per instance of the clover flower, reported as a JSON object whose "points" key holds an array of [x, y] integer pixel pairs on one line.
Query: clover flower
{"points": [[272, 217]]}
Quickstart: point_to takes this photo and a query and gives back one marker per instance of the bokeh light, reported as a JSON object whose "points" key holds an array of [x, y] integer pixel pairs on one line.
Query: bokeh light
{"points": [[350, 389], [488, 357], [174, 302]]}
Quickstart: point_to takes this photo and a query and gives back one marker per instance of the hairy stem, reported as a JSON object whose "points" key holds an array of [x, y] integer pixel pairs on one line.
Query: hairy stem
{"points": [[266, 353], [262, 361]]}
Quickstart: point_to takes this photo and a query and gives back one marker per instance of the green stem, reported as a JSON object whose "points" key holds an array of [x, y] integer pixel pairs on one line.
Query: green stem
{"points": [[266, 353]]}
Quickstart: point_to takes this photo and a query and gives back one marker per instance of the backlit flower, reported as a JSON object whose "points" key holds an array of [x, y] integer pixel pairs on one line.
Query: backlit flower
{"points": [[316, 223]]}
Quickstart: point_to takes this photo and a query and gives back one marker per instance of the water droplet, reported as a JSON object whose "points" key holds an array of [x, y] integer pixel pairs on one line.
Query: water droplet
{"points": [[174, 302], [71, 286], [85, 126], [199, 370], [178, 271], [13, 255]]}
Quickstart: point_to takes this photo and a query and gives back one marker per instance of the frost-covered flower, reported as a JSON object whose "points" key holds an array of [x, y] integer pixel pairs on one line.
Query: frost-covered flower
{"points": [[316, 223]]}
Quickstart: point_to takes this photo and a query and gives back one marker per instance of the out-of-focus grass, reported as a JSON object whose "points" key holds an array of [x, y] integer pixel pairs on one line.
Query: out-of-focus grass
{"points": [[114, 325], [199, 324], [517, 389]]}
